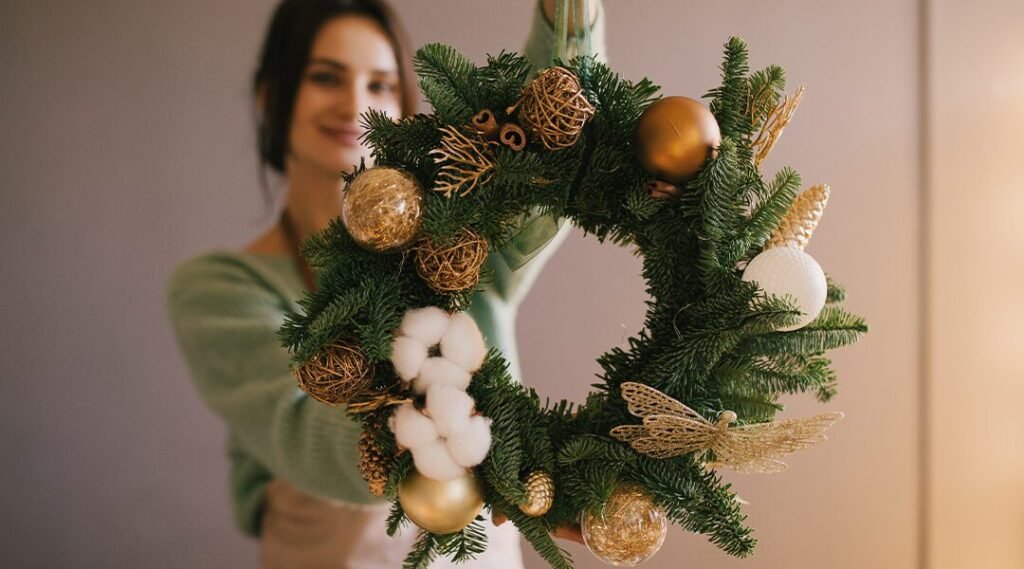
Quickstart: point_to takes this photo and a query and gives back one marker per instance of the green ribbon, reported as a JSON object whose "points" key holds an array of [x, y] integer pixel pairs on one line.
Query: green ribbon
{"points": [[537, 229]]}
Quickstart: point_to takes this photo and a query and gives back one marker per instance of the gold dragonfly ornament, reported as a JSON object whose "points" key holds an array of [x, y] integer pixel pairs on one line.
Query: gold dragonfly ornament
{"points": [[671, 429]]}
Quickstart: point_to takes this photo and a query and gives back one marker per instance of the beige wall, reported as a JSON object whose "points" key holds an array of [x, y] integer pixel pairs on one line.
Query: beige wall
{"points": [[126, 145], [976, 270]]}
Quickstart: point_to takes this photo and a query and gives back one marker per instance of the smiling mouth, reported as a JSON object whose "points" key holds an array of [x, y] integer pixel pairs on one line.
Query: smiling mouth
{"points": [[343, 136]]}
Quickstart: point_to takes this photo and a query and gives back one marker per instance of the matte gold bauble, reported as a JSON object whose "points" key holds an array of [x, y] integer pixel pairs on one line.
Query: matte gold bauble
{"points": [[630, 529], [441, 507], [540, 494], [382, 208], [674, 137]]}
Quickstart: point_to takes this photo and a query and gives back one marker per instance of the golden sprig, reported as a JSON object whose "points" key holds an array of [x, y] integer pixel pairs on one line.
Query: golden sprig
{"points": [[466, 162], [776, 121]]}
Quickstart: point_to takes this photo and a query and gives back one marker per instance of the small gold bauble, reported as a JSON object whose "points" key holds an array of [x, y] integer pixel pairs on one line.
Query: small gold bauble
{"points": [[382, 208], [441, 507], [540, 494], [629, 531], [674, 137]]}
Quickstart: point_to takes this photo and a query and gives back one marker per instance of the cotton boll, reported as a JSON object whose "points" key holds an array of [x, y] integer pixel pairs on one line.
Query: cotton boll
{"points": [[463, 344], [449, 407], [434, 461], [440, 371], [469, 446], [407, 355], [412, 429], [426, 324]]}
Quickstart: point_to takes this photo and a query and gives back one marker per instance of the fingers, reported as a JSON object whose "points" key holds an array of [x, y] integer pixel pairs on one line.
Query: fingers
{"points": [[498, 518], [572, 533]]}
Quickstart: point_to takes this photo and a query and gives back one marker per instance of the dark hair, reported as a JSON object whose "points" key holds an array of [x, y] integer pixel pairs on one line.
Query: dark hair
{"points": [[286, 51]]}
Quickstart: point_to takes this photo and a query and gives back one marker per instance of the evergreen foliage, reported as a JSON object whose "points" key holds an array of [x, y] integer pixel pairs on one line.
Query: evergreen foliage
{"points": [[709, 339]]}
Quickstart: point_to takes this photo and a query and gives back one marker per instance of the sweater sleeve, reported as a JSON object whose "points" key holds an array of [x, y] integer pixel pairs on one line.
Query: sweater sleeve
{"points": [[512, 286], [226, 318]]}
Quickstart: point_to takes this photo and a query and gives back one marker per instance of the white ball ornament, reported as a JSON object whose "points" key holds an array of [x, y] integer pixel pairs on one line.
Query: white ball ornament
{"points": [[789, 271]]}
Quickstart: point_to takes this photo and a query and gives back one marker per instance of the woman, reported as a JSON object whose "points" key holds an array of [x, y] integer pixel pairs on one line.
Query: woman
{"points": [[294, 476]]}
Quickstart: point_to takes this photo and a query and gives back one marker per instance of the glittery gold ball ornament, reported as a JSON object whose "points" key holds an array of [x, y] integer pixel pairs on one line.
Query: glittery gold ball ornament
{"points": [[540, 494], [674, 137], [441, 507], [382, 208], [629, 531]]}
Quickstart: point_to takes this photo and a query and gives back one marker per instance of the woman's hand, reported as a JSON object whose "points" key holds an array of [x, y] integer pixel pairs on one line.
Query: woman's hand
{"points": [[570, 532]]}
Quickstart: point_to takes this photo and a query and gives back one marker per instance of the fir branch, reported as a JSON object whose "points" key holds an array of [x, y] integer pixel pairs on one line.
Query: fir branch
{"points": [[396, 518], [834, 328], [537, 532], [423, 552], [729, 101], [769, 214], [698, 501], [464, 545]]}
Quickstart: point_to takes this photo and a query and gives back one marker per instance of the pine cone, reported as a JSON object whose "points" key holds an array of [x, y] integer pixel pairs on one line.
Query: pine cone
{"points": [[373, 465]]}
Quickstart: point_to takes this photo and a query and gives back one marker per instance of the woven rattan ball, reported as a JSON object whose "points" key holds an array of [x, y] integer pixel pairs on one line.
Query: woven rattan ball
{"points": [[336, 375], [553, 108], [454, 267]]}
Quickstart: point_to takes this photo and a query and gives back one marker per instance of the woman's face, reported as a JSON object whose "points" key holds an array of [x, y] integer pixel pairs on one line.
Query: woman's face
{"points": [[351, 69]]}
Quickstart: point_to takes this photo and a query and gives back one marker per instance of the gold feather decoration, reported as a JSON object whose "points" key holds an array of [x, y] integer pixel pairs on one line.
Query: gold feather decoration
{"points": [[802, 218], [774, 124], [466, 163], [672, 429]]}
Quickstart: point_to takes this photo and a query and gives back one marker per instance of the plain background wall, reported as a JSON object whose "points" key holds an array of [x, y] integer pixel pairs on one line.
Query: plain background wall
{"points": [[127, 145]]}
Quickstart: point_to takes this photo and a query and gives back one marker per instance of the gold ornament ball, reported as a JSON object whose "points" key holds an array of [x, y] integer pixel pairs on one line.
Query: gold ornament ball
{"points": [[382, 208], [441, 507], [674, 137], [629, 531], [540, 494]]}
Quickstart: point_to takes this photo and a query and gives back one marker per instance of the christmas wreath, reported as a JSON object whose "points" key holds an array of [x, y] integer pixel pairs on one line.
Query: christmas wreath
{"points": [[738, 313]]}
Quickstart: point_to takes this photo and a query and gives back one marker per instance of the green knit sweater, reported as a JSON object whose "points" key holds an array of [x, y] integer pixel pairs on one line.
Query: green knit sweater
{"points": [[226, 308]]}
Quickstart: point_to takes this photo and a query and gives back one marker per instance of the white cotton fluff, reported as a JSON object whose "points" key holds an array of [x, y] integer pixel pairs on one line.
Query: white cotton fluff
{"points": [[434, 461], [440, 371], [407, 355], [413, 430], [449, 407], [469, 446], [426, 324], [463, 344]]}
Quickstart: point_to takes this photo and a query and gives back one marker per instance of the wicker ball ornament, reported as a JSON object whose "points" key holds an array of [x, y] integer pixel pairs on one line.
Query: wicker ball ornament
{"points": [[441, 507], [553, 108], [540, 494], [454, 267], [382, 208], [674, 137], [629, 531], [336, 375]]}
